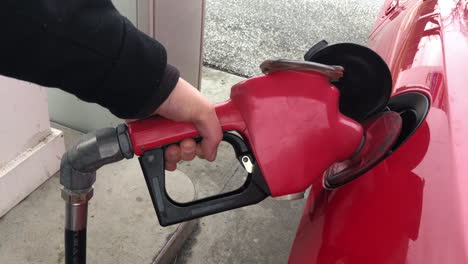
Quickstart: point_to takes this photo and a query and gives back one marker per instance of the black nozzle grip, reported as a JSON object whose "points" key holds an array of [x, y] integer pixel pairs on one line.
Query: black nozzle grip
{"points": [[170, 212]]}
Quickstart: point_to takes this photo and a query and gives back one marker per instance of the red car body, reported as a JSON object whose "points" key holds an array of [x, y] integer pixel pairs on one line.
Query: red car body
{"points": [[412, 207]]}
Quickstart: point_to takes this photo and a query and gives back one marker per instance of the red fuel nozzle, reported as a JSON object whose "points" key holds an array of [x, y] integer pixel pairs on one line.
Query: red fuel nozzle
{"points": [[290, 120], [291, 130]]}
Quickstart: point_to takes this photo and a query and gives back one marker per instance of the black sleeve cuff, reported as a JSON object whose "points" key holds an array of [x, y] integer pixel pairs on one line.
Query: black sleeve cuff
{"points": [[141, 79], [168, 83]]}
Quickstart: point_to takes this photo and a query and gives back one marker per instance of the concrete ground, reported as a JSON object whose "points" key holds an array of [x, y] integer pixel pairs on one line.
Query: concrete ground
{"points": [[240, 34], [122, 224]]}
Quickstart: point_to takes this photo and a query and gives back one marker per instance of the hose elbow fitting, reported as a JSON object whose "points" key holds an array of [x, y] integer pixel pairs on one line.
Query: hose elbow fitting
{"points": [[93, 150]]}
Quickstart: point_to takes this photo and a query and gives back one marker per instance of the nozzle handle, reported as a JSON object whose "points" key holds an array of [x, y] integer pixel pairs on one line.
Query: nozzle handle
{"points": [[254, 190], [156, 131]]}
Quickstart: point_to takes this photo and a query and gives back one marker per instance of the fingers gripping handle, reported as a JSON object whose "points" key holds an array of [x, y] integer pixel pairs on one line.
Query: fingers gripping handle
{"points": [[156, 131], [171, 212]]}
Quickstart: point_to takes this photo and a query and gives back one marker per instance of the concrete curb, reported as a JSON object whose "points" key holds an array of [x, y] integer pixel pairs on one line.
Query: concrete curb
{"points": [[169, 252]]}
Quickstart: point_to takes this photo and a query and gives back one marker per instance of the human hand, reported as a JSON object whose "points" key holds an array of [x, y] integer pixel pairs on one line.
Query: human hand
{"points": [[185, 103]]}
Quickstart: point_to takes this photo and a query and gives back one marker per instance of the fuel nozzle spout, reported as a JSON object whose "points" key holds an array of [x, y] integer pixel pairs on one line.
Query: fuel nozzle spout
{"points": [[365, 90], [380, 134]]}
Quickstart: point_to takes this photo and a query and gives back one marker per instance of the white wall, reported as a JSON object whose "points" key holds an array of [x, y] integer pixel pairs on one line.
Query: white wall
{"points": [[178, 25], [30, 151], [24, 117]]}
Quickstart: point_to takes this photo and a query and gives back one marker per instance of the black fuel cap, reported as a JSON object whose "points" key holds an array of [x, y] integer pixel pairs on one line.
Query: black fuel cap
{"points": [[366, 85]]}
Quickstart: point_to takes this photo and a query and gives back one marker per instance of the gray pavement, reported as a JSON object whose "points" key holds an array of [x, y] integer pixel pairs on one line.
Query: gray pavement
{"points": [[240, 34], [122, 224]]}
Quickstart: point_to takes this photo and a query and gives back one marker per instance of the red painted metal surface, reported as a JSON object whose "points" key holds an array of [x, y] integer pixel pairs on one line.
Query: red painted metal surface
{"points": [[413, 207], [287, 117]]}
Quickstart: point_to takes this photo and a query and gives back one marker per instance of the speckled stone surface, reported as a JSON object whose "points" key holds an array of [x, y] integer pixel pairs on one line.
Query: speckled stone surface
{"points": [[240, 34]]}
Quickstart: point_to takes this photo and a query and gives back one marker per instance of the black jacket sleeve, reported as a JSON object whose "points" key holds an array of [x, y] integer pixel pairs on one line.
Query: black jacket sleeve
{"points": [[87, 48]]}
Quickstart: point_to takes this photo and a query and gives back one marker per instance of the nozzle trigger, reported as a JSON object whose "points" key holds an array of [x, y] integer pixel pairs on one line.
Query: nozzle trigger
{"points": [[254, 190]]}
